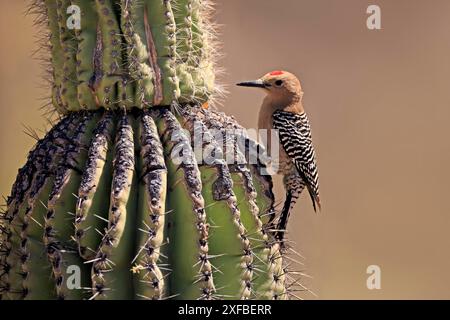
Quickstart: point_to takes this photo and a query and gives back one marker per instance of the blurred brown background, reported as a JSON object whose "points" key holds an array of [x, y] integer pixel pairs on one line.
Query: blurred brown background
{"points": [[379, 106]]}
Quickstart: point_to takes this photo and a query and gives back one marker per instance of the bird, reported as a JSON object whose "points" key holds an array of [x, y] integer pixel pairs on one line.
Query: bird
{"points": [[282, 110]]}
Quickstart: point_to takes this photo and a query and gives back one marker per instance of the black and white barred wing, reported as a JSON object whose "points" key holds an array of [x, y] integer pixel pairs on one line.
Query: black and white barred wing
{"points": [[295, 137]]}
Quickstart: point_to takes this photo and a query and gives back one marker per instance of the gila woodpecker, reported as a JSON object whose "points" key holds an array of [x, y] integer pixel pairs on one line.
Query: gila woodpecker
{"points": [[282, 110]]}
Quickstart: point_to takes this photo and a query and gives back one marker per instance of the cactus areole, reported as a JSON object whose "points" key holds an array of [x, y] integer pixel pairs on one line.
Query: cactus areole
{"points": [[103, 208]]}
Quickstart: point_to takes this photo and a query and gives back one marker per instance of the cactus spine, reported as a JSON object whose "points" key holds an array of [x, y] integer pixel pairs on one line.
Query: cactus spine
{"points": [[103, 192]]}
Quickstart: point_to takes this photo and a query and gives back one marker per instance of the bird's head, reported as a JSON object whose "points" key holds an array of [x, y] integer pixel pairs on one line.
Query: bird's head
{"points": [[278, 85]]}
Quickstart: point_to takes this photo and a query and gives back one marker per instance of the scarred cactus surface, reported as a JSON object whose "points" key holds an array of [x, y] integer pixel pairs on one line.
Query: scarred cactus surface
{"points": [[132, 194]]}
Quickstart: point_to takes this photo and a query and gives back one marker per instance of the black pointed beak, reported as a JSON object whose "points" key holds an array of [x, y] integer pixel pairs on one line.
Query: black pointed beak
{"points": [[255, 83]]}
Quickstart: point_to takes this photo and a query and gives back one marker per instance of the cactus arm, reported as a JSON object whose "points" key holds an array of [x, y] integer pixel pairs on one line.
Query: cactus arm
{"points": [[160, 29], [86, 38], [93, 205], [69, 47], [110, 270], [152, 202], [191, 274]]}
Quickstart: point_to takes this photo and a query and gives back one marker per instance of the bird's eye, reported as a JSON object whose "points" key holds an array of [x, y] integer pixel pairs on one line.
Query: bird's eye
{"points": [[278, 83]]}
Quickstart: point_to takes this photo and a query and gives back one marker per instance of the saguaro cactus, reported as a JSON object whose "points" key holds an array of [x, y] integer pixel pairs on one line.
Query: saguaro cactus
{"points": [[114, 203]]}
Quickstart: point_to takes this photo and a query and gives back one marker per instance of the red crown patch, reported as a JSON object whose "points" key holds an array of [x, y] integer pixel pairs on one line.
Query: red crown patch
{"points": [[276, 73]]}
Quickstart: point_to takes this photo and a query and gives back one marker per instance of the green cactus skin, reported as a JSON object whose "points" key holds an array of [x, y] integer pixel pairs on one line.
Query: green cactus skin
{"points": [[130, 53], [103, 190], [138, 53], [57, 55], [183, 19], [86, 40], [69, 49]]}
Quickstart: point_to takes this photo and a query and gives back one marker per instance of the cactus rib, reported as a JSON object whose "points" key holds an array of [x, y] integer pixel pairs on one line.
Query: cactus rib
{"points": [[111, 54], [57, 234], [194, 275], [222, 186], [57, 61], [269, 250], [116, 242], [69, 48], [87, 41], [139, 58], [91, 207], [152, 198], [183, 19], [262, 182], [21, 188], [247, 202], [161, 39]]}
